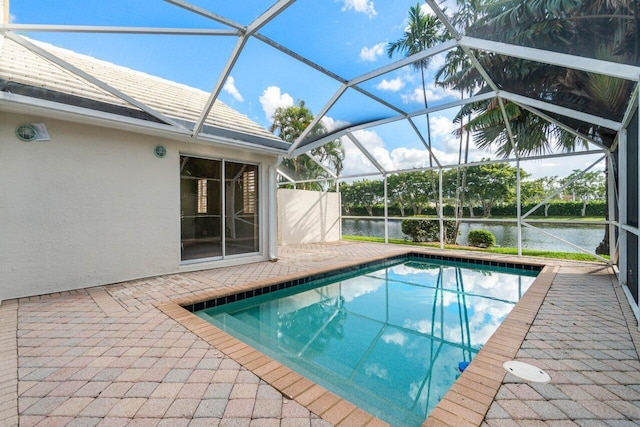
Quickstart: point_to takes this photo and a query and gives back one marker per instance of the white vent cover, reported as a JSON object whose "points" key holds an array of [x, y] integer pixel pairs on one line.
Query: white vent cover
{"points": [[32, 132], [526, 371], [26, 133]]}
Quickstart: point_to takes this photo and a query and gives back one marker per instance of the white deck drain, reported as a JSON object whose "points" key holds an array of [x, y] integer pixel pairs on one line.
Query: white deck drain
{"points": [[526, 371]]}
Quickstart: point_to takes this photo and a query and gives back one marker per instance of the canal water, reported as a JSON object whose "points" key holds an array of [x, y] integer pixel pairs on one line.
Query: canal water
{"points": [[586, 236]]}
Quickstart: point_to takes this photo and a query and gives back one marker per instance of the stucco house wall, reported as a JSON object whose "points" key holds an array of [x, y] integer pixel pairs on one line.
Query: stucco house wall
{"points": [[308, 217], [94, 206]]}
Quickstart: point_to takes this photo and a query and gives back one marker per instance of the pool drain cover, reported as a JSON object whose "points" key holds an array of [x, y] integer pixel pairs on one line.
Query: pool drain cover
{"points": [[526, 371]]}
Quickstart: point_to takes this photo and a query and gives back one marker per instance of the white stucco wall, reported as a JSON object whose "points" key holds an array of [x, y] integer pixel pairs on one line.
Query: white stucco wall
{"points": [[94, 206], [308, 217]]}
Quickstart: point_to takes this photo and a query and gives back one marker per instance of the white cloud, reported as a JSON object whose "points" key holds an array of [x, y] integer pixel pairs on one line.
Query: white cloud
{"points": [[330, 124], [273, 98], [433, 92], [398, 159], [408, 158], [357, 163], [437, 62], [360, 6], [549, 165], [442, 134], [441, 126], [444, 145], [445, 148], [373, 53], [392, 85], [230, 88], [555, 167], [426, 9], [449, 7]]}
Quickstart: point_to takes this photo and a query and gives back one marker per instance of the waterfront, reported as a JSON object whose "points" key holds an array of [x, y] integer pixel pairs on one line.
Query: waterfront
{"points": [[586, 236]]}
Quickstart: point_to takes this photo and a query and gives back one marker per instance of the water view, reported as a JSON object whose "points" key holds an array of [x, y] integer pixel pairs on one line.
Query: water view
{"points": [[586, 236]]}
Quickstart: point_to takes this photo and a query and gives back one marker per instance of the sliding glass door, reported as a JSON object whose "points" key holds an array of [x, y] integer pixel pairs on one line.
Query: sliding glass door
{"points": [[209, 188], [200, 208], [241, 204]]}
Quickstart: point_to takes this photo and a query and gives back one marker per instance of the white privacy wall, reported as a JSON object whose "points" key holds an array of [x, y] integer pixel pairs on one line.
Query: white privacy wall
{"points": [[93, 206], [308, 217]]}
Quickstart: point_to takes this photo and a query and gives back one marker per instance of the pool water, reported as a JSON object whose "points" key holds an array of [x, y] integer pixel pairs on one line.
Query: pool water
{"points": [[390, 339]]}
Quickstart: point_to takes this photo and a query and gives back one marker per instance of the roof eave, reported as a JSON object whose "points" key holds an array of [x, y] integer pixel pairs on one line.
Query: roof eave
{"points": [[33, 106]]}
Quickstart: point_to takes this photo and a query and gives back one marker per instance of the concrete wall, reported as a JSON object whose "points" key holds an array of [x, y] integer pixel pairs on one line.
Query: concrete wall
{"points": [[94, 206], [308, 217]]}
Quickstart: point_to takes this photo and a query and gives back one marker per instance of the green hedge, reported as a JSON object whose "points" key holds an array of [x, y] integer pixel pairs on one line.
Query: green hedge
{"points": [[570, 209], [598, 208], [378, 210]]}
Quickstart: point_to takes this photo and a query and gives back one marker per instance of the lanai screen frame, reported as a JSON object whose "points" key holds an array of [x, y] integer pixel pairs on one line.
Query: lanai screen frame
{"points": [[244, 33], [537, 107]]}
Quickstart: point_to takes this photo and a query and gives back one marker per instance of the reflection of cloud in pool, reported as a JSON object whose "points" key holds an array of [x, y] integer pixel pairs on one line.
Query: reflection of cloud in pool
{"points": [[481, 282], [375, 370], [483, 319], [405, 270], [358, 286], [414, 389], [395, 338], [423, 326], [484, 314], [481, 328], [503, 286]]}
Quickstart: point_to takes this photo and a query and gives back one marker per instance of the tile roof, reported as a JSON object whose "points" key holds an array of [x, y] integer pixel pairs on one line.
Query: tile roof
{"points": [[20, 65]]}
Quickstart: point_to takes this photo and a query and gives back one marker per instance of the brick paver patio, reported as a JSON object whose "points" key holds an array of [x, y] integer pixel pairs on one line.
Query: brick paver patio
{"points": [[121, 355]]}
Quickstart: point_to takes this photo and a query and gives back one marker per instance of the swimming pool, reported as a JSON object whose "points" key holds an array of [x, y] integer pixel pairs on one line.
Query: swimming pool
{"points": [[389, 338]]}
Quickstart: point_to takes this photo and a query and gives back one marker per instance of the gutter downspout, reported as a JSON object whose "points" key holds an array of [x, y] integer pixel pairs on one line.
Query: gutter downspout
{"points": [[273, 209]]}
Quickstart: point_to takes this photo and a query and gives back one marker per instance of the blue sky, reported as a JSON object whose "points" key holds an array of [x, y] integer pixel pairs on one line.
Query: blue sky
{"points": [[347, 37]]}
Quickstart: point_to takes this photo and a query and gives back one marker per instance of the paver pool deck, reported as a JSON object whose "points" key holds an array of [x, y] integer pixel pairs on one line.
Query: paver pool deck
{"points": [[127, 354]]}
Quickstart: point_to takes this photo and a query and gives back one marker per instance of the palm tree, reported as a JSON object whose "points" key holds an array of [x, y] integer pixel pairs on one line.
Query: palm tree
{"points": [[422, 32], [332, 155], [456, 61], [288, 124], [606, 27], [569, 26]]}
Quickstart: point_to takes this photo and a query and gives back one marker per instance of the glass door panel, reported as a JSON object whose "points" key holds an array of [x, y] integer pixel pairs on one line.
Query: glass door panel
{"points": [[241, 208], [201, 208]]}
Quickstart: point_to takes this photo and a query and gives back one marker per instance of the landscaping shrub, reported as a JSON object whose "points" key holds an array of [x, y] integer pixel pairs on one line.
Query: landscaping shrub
{"points": [[481, 238], [427, 230]]}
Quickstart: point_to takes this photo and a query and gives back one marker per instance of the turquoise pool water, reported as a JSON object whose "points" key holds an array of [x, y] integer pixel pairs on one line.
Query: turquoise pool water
{"points": [[389, 339]]}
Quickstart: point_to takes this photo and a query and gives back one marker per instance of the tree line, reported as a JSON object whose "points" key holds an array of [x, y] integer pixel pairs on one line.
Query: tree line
{"points": [[487, 187]]}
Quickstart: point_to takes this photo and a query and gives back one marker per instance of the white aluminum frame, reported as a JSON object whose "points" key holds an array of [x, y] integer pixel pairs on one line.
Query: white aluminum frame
{"points": [[246, 32]]}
